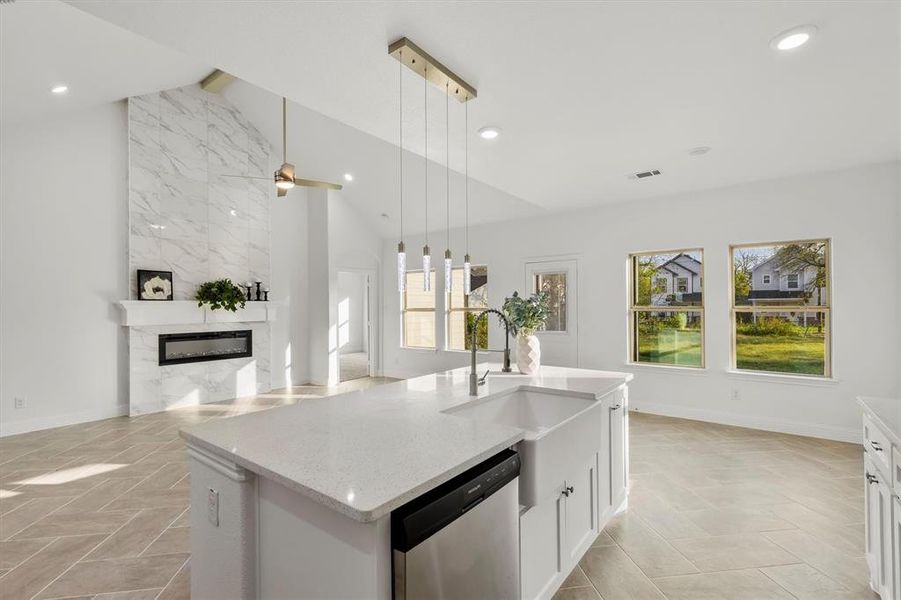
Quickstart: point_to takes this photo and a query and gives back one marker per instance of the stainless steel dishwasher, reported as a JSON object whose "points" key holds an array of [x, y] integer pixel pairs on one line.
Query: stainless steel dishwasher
{"points": [[460, 541]]}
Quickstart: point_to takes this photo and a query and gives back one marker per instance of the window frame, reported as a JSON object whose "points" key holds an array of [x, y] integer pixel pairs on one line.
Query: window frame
{"points": [[536, 276], [767, 279], [465, 309], [634, 309], [826, 309], [788, 281], [404, 310]]}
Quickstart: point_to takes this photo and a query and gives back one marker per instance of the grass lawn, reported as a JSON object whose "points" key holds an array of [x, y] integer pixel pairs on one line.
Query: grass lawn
{"points": [[669, 347], [801, 354]]}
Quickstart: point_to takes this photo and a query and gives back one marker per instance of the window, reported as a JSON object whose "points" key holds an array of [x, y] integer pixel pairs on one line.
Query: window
{"points": [[665, 328], [782, 330], [555, 286], [463, 310], [418, 312], [766, 279]]}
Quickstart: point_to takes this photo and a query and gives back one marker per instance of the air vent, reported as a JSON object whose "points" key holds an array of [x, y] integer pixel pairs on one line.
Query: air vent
{"points": [[647, 174]]}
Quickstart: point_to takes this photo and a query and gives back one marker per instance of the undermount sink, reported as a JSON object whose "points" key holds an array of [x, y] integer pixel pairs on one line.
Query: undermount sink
{"points": [[561, 428]]}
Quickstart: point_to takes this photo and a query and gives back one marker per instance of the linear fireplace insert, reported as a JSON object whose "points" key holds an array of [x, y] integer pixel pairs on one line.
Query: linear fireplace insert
{"points": [[177, 348]]}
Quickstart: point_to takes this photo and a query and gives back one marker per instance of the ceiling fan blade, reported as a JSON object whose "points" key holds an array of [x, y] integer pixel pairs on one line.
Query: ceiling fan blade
{"points": [[317, 184], [248, 177], [281, 192]]}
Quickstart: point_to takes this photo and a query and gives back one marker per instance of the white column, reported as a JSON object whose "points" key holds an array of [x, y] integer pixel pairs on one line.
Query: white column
{"points": [[323, 294]]}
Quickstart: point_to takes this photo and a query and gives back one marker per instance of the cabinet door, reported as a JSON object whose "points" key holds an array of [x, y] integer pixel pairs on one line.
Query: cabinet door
{"points": [[878, 529], [541, 546], [896, 537], [618, 449], [604, 495], [581, 510]]}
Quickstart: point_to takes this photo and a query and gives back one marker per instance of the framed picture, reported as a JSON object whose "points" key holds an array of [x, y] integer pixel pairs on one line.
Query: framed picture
{"points": [[154, 285]]}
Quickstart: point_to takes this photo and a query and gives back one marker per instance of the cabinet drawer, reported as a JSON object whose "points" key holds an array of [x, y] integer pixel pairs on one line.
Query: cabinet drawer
{"points": [[896, 473], [878, 446]]}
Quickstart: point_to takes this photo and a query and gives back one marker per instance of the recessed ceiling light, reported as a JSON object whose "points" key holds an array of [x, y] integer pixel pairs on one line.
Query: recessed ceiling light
{"points": [[348, 177], [793, 38], [489, 133], [59, 89], [233, 212], [699, 150]]}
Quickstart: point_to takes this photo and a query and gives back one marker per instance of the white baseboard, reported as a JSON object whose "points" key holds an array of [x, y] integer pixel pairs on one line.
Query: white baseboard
{"points": [[27, 425], [829, 432]]}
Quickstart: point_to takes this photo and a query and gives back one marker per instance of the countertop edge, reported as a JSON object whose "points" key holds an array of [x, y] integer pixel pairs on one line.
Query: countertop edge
{"points": [[362, 515], [874, 415]]}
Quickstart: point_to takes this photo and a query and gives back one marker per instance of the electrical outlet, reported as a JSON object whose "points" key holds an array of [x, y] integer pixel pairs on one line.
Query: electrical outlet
{"points": [[736, 395], [212, 506], [19, 402]]}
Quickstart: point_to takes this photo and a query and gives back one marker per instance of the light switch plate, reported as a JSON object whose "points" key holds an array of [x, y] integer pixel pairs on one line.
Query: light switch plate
{"points": [[212, 506]]}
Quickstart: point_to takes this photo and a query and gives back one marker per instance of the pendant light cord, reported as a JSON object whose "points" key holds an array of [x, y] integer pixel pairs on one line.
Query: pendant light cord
{"points": [[447, 157], [466, 169], [400, 88], [425, 97], [284, 129]]}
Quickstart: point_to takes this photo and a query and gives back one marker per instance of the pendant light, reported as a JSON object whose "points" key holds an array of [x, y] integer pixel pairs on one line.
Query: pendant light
{"points": [[401, 249], [448, 262], [426, 256], [467, 265]]}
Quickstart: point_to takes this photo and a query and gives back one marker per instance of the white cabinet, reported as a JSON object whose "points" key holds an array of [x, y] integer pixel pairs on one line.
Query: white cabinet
{"points": [[619, 447], [556, 532], [896, 536], [580, 510], [541, 547], [879, 524]]}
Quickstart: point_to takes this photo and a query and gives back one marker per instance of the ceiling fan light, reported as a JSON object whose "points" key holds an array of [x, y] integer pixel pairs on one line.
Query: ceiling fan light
{"points": [[284, 184]]}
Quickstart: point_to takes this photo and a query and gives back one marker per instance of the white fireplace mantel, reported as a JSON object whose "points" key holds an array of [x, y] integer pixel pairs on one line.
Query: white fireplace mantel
{"points": [[141, 313]]}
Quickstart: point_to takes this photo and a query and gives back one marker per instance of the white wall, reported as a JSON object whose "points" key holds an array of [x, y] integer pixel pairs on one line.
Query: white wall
{"points": [[63, 262], [856, 208], [351, 311], [290, 288]]}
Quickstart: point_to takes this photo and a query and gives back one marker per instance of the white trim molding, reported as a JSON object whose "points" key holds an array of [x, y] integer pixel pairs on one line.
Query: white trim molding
{"points": [[841, 434]]}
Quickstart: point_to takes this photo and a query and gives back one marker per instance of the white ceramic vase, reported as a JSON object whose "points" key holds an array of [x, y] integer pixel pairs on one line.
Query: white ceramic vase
{"points": [[528, 354]]}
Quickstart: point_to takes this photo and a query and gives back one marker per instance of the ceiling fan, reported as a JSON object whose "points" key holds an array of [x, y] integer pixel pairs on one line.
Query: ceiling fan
{"points": [[284, 177]]}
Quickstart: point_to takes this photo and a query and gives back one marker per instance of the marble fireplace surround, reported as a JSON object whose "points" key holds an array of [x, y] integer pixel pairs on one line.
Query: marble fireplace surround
{"points": [[188, 217], [154, 388]]}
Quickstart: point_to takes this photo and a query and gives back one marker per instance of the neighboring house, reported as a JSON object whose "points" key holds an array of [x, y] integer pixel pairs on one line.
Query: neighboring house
{"points": [[677, 281], [773, 285]]}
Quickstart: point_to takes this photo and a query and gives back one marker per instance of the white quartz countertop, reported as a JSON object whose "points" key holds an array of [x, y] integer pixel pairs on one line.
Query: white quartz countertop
{"points": [[367, 452], [886, 412]]}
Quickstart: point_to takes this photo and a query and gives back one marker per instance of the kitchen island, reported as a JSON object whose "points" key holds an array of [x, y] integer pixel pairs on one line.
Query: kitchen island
{"points": [[295, 502], [882, 499]]}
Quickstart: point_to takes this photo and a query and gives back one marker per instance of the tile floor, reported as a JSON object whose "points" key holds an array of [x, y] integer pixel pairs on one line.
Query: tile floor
{"points": [[718, 512], [100, 510]]}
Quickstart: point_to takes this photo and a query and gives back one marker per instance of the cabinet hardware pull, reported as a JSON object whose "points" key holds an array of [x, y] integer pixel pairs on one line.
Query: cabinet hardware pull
{"points": [[567, 491], [872, 478], [571, 489], [617, 407], [876, 446]]}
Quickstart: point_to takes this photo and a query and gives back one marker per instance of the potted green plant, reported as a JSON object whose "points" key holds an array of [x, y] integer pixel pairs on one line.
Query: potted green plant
{"points": [[222, 293], [526, 316]]}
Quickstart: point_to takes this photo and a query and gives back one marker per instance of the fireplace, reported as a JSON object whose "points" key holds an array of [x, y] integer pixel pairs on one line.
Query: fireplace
{"points": [[178, 348]]}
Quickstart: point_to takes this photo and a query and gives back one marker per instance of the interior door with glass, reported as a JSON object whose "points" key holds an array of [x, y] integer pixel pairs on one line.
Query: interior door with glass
{"points": [[559, 340]]}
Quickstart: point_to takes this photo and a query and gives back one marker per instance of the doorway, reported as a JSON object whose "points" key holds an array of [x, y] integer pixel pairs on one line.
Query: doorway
{"points": [[354, 325]]}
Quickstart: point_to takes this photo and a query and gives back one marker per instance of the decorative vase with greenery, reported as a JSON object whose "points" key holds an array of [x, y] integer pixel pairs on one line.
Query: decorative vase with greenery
{"points": [[526, 316], [221, 293]]}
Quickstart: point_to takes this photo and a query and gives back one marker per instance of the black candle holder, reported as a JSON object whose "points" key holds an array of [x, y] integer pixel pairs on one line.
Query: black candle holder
{"points": [[247, 287], [265, 295], [259, 293]]}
